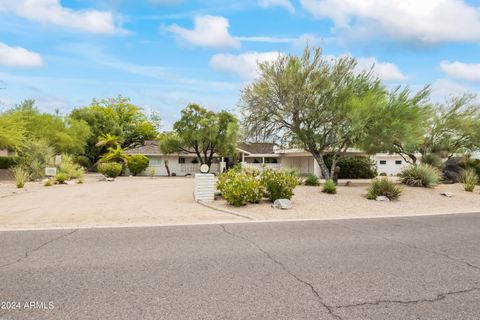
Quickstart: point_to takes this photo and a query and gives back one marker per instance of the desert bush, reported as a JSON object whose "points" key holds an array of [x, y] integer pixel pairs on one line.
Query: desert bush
{"points": [[48, 183], [137, 163], [70, 168], [21, 175], [383, 187], [354, 167], [278, 184], [469, 179], [383, 174], [240, 187], [312, 180], [329, 187], [8, 162], [84, 161], [35, 156], [469, 163], [423, 175], [432, 159], [151, 172], [110, 169], [61, 177]]}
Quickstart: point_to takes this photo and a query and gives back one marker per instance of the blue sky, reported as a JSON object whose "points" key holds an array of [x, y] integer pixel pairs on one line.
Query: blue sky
{"points": [[165, 54]]}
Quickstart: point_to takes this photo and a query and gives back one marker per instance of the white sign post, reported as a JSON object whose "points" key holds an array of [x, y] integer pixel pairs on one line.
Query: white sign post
{"points": [[204, 185]]}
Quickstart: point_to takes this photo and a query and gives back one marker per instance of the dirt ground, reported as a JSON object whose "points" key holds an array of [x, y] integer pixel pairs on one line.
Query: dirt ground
{"points": [[351, 202], [125, 201], [142, 201]]}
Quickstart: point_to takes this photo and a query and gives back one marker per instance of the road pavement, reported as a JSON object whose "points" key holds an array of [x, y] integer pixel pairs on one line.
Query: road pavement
{"points": [[389, 268]]}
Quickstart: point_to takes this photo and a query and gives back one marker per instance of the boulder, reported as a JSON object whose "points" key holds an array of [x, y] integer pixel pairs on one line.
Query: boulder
{"points": [[282, 204], [382, 198]]}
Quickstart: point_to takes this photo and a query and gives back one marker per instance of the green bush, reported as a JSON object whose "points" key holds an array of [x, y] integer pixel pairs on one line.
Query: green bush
{"points": [[469, 179], [137, 163], [70, 168], [240, 187], [35, 156], [21, 175], [48, 183], [312, 180], [110, 169], [278, 184], [432, 159], [329, 187], [8, 162], [354, 167], [469, 163], [423, 175], [84, 161], [383, 187], [61, 177]]}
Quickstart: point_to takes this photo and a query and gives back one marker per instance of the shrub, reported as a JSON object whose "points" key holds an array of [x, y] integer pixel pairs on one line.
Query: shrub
{"points": [[151, 172], [383, 187], [423, 175], [61, 177], [469, 163], [21, 175], [70, 168], [354, 167], [432, 159], [383, 174], [48, 183], [329, 187], [110, 169], [137, 163], [312, 180], [84, 161], [469, 179], [8, 162], [240, 187], [278, 184], [34, 157]]}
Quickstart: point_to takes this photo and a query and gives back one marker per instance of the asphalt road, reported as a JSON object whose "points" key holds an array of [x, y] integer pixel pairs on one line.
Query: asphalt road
{"points": [[396, 268]]}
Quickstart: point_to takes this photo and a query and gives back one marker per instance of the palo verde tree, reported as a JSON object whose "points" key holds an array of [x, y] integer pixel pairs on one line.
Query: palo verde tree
{"points": [[203, 133], [318, 104]]}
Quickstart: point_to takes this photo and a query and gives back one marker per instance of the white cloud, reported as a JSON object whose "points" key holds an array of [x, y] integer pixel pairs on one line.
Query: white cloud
{"points": [[461, 71], [52, 12], [208, 31], [245, 65], [385, 71], [282, 3], [428, 21], [19, 57], [444, 88]]}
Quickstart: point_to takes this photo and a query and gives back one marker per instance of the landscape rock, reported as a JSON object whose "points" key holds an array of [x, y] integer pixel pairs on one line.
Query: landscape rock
{"points": [[282, 204], [110, 179], [348, 183], [382, 198], [447, 194]]}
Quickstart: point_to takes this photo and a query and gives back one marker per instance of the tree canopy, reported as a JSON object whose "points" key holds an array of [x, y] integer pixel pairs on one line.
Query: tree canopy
{"points": [[203, 133], [120, 119], [319, 104]]}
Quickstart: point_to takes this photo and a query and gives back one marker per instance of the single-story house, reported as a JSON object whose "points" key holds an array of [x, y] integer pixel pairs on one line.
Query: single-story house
{"points": [[255, 155]]}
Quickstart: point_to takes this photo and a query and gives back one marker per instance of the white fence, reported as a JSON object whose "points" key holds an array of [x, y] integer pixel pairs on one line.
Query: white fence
{"points": [[260, 166]]}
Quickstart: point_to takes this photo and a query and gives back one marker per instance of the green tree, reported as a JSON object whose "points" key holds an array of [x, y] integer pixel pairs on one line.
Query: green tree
{"points": [[116, 117], [320, 105], [12, 132], [203, 133], [401, 126], [64, 134]]}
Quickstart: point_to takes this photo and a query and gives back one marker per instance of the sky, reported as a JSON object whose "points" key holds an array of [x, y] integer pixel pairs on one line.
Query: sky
{"points": [[165, 54]]}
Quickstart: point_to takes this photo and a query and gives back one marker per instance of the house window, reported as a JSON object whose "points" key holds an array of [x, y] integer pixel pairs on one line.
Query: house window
{"points": [[383, 161], [155, 162], [181, 160], [398, 161]]}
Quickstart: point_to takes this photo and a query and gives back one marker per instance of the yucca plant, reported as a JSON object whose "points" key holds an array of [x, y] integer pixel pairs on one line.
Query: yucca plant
{"points": [[383, 187], [469, 179], [423, 175]]}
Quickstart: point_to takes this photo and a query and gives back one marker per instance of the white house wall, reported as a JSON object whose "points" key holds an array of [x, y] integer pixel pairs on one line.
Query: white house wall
{"points": [[389, 164]]}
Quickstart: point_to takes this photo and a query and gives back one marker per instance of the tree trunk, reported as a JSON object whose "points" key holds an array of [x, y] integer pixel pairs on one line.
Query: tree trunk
{"points": [[323, 167], [167, 168]]}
